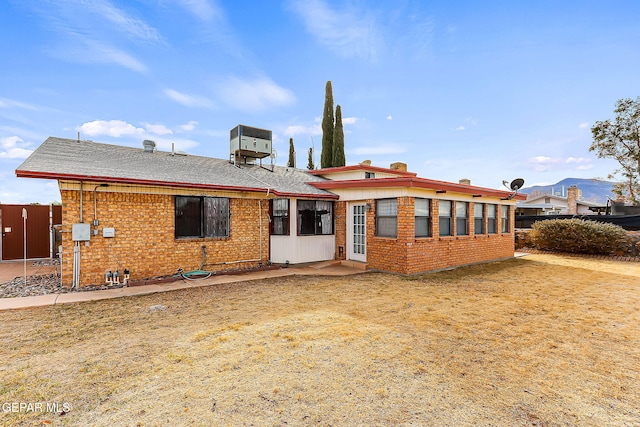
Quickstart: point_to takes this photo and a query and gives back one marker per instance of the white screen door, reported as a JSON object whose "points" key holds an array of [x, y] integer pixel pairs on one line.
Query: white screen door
{"points": [[357, 232]]}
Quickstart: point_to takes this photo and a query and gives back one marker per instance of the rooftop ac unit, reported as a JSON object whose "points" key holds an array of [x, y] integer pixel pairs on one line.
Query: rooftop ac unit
{"points": [[250, 143]]}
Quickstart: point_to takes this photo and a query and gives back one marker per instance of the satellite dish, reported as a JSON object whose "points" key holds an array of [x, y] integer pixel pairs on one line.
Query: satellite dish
{"points": [[517, 184]]}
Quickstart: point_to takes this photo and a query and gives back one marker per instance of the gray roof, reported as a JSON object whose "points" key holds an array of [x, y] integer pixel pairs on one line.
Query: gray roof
{"points": [[70, 159]]}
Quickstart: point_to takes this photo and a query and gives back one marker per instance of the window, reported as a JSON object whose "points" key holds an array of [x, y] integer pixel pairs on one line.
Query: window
{"points": [[280, 217], [445, 217], [369, 175], [505, 219], [423, 217], [201, 216], [478, 218], [491, 219], [462, 220], [387, 218], [315, 217]]}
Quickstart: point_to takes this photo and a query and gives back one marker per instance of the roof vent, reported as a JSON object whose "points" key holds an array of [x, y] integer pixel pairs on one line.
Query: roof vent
{"points": [[465, 181], [149, 146]]}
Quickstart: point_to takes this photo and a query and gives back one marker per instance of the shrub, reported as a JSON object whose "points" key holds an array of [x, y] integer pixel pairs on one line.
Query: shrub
{"points": [[578, 236]]}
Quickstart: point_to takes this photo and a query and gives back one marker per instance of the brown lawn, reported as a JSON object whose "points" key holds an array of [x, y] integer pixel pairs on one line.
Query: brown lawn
{"points": [[544, 340]]}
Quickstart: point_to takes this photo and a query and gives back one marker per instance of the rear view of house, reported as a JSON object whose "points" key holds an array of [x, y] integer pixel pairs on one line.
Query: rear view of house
{"points": [[153, 212]]}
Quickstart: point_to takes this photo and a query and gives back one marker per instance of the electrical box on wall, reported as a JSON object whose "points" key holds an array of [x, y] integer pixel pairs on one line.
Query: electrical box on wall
{"points": [[108, 232], [80, 232]]}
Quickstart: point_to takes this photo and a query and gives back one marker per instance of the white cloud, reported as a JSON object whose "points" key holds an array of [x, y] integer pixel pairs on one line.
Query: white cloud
{"points": [[12, 148], [348, 32], [93, 52], [584, 125], [584, 167], [254, 95], [189, 126], [157, 129], [380, 149], [543, 163], [389, 118], [187, 100], [292, 131], [460, 128], [202, 9], [577, 160], [110, 54], [114, 128], [10, 103], [132, 26], [349, 120]]}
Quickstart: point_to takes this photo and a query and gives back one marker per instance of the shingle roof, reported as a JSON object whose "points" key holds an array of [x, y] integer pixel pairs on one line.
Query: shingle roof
{"points": [[61, 158]]}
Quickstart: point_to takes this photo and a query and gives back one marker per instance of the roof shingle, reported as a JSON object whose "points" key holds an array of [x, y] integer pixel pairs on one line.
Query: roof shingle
{"points": [[61, 158]]}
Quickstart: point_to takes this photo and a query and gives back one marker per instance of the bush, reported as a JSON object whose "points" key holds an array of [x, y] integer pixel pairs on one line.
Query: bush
{"points": [[578, 236]]}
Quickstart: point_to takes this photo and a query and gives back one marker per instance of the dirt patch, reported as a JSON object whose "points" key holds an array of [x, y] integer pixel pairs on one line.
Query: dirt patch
{"points": [[542, 340]]}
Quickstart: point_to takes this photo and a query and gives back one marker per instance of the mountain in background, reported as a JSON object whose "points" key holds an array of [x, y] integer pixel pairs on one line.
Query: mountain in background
{"points": [[593, 190]]}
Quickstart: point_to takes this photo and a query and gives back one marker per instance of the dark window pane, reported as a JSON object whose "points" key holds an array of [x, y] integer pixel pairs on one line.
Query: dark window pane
{"points": [[188, 217], [445, 216], [478, 213], [422, 214], [462, 209], [422, 226], [280, 217], [445, 226], [491, 219], [387, 218], [387, 226], [306, 217]]}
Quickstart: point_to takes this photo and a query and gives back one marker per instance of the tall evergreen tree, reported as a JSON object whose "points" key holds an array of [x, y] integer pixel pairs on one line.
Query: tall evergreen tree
{"points": [[338, 140], [310, 164], [292, 155], [326, 157]]}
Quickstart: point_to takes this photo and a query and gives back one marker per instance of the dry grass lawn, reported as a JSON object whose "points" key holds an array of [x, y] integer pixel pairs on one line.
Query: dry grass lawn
{"points": [[540, 341]]}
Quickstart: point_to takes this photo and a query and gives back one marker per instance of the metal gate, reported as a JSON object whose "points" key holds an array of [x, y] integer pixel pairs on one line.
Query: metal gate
{"points": [[39, 238]]}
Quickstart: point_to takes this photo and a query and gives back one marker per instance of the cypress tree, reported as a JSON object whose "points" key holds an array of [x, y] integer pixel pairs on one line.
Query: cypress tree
{"points": [[326, 157], [292, 155], [338, 140], [310, 164]]}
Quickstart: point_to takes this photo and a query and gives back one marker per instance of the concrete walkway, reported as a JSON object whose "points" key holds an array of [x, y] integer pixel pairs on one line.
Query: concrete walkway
{"points": [[7, 269]]}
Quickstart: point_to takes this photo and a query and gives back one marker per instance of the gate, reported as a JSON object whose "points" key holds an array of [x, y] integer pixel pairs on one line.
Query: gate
{"points": [[40, 222]]}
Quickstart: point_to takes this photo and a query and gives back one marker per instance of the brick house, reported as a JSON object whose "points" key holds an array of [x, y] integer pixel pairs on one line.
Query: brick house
{"points": [[154, 212], [396, 221]]}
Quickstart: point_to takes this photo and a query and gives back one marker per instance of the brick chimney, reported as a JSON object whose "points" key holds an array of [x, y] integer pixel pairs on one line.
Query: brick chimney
{"points": [[573, 193], [398, 166]]}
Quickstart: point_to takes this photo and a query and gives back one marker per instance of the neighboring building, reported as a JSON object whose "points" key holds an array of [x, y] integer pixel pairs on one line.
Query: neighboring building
{"points": [[548, 204], [154, 212]]}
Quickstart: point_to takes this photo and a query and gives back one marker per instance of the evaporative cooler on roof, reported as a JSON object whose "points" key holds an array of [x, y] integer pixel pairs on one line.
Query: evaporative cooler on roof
{"points": [[249, 143]]}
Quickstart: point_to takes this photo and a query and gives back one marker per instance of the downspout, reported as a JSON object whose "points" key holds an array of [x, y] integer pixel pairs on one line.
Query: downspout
{"points": [[260, 219], [81, 220]]}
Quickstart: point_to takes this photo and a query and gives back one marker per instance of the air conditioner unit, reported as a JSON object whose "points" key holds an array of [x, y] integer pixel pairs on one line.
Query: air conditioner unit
{"points": [[250, 143]]}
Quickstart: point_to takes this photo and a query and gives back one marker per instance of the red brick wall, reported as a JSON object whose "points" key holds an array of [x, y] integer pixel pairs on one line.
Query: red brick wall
{"points": [[408, 255], [144, 239]]}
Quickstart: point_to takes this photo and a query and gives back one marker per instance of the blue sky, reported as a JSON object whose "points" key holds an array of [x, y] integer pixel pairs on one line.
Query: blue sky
{"points": [[488, 91]]}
